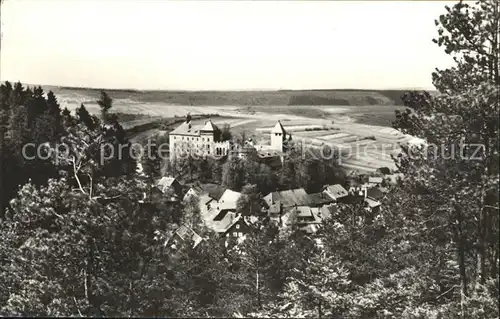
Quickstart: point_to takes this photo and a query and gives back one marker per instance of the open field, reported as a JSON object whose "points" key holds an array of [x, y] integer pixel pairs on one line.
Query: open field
{"points": [[345, 97], [361, 132]]}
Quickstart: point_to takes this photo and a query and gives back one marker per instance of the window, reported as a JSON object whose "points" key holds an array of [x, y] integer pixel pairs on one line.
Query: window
{"points": [[237, 226], [235, 234]]}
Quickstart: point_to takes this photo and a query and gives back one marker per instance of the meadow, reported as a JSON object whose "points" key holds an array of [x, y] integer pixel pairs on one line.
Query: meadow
{"points": [[358, 126]]}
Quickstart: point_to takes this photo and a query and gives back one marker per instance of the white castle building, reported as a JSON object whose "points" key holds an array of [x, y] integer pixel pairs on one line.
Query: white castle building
{"points": [[205, 140], [197, 139]]}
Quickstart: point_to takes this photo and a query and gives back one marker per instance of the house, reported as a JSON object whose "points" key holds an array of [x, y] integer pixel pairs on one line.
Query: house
{"points": [[288, 198], [226, 203], [213, 191], [232, 227], [372, 205], [171, 185], [195, 190], [215, 211], [304, 217], [237, 228], [184, 235], [336, 192], [372, 199]]}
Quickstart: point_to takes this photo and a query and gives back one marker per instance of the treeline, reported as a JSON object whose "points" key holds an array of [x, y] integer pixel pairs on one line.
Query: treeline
{"points": [[352, 97], [32, 121]]}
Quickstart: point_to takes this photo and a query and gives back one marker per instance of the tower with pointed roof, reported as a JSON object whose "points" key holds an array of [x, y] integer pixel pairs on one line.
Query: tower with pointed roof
{"points": [[278, 135], [207, 134]]}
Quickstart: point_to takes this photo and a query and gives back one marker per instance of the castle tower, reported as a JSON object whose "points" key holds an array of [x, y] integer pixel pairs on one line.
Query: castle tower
{"points": [[207, 137], [278, 135]]}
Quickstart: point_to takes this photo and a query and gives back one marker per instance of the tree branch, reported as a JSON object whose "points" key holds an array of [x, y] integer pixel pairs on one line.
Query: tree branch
{"points": [[75, 173]]}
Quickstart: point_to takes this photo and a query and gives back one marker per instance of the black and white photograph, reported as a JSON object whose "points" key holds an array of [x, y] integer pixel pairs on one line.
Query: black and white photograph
{"points": [[249, 159]]}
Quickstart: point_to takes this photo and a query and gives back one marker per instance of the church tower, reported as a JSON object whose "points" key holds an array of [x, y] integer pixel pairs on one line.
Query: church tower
{"points": [[278, 135]]}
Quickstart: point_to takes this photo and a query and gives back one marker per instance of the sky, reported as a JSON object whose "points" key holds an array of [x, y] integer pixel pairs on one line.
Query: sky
{"points": [[221, 45]]}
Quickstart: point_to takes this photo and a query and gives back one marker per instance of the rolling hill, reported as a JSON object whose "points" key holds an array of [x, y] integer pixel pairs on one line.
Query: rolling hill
{"points": [[345, 97]]}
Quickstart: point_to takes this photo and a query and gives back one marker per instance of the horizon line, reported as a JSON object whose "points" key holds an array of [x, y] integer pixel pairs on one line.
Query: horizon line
{"points": [[220, 90]]}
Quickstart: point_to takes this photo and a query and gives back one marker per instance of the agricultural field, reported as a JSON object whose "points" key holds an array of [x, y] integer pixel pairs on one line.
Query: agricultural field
{"points": [[361, 133]]}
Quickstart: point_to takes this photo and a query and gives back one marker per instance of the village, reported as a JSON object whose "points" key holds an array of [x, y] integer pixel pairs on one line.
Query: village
{"points": [[286, 208]]}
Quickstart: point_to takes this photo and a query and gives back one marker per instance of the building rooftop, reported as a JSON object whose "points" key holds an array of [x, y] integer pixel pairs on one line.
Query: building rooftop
{"points": [[229, 199], [319, 198], [336, 190], [223, 225], [209, 126], [278, 128], [189, 129], [375, 193], [289, 198], [166, 182], [372, 203], [186, 128], [185, 233]]}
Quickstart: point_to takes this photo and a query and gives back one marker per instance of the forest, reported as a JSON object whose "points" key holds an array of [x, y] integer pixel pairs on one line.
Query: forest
{"points": [[84, 237]]}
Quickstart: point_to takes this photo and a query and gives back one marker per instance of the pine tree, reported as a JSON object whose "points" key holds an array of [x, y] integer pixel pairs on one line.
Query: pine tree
{"points": [[105, 102], [462, 121], [84, 117]]}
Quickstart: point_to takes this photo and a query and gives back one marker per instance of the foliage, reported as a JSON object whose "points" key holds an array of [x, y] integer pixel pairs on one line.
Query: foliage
{"points": [[225, 134], [250, 202]]}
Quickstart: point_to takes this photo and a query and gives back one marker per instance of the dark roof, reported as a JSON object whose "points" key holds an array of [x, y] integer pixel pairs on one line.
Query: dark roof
{"points": [[291, 197], [319, 198], [374, 193], [271, 161], [269, 154], [222, 213], [215, 191]]}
